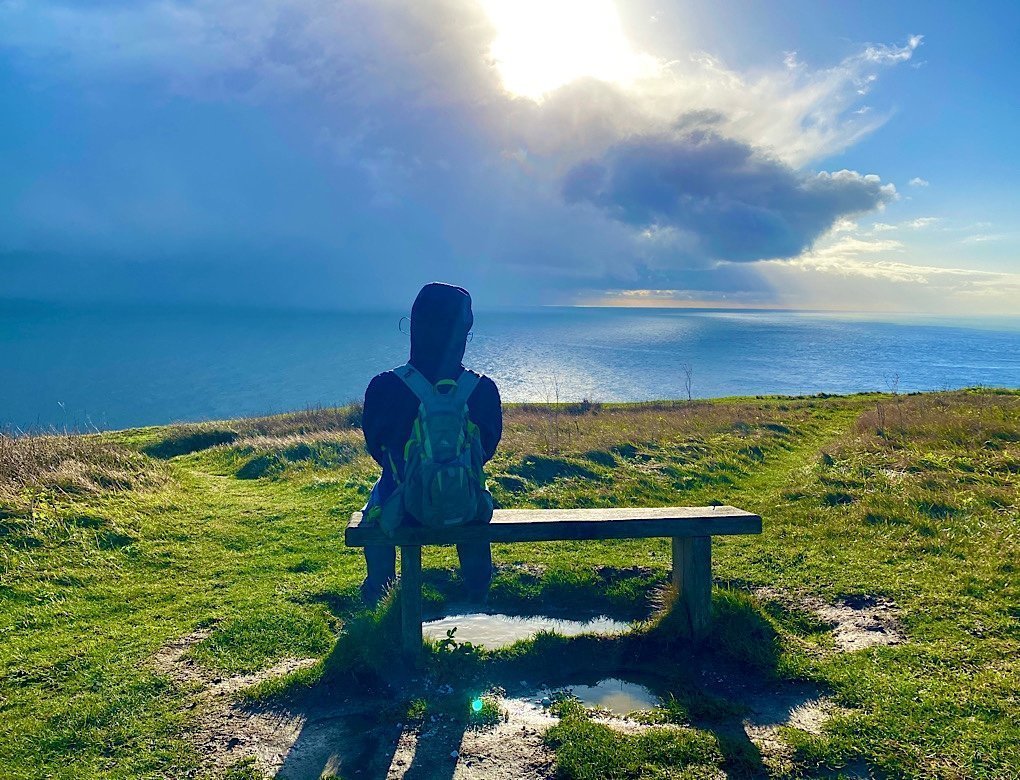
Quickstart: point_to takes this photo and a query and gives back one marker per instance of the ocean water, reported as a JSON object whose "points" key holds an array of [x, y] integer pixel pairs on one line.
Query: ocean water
{"points": [[103, 367]]}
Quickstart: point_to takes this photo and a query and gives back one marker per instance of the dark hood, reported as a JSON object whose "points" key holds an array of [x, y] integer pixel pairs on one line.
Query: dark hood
{"points": [[441, 318]]}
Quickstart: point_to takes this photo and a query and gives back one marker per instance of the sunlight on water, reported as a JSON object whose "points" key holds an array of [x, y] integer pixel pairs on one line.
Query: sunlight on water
{"points": [[612, 695], [108, 367], [617, 696], [495, 631]]}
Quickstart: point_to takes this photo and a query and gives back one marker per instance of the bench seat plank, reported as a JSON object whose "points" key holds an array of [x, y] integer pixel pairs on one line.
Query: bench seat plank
{"points": [[545, 525]]}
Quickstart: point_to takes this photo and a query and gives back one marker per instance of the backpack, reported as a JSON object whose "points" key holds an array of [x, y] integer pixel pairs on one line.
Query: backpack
{"points": [[443, 482]]}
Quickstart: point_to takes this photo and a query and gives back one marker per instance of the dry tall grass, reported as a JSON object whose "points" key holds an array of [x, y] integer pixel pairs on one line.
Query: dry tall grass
{"points": [[987, 419], [566, 429], [322, 424], [66, 464]]}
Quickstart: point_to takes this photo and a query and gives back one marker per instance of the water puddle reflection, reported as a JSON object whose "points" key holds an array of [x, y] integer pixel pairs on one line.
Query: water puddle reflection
{"points": [[616, 696], [612, 695], [495, 631]]}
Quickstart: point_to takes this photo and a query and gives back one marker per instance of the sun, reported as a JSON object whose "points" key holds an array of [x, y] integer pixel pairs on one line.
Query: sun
{"points": [[541, 45]]}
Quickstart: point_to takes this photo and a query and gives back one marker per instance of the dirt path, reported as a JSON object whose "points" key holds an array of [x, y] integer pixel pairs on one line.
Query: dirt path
{"points": [[324, 732]]}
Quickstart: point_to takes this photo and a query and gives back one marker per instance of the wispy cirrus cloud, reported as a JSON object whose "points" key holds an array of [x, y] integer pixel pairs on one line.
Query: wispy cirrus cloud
{"points": [[880, 272], [982, 238]]}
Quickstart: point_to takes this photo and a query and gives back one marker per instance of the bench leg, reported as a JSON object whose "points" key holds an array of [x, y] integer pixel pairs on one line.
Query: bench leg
{"points": [[410, 600], [692, 575]]}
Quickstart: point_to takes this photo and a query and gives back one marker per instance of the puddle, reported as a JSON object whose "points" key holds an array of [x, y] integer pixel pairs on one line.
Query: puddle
{"points": [[495, 631], [611, 695], [618, 697]]}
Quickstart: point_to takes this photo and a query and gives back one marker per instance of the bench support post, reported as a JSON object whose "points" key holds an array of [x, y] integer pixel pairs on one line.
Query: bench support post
{"points": [[692, 575], [410, 600]]}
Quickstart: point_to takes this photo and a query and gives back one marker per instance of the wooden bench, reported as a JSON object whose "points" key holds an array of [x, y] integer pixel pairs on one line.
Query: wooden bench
{"points": [[690, 527]]}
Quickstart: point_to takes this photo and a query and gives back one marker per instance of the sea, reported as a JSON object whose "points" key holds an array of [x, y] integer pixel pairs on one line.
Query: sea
{"points": [[88, 367]]}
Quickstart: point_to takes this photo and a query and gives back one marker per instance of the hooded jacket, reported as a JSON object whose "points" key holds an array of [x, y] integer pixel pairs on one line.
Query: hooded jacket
{"points": [[440, 321]]}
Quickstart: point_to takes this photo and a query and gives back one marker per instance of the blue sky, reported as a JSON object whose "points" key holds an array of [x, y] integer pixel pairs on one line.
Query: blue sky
{"points": [[847, 156]]}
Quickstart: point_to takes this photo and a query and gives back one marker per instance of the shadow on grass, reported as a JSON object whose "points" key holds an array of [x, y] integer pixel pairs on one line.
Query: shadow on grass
{"points": [[188, 439], [366, 710]]}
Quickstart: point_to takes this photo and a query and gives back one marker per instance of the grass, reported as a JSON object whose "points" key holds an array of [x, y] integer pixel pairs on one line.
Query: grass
{"points": [[588, 750], [113, 544]]}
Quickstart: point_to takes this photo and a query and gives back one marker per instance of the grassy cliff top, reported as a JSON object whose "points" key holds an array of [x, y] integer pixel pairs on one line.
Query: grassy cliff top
{"points": [[114, 546]]}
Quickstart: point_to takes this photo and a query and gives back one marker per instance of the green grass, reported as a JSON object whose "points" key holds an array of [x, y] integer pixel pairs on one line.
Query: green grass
{"points": [[113, 545]]}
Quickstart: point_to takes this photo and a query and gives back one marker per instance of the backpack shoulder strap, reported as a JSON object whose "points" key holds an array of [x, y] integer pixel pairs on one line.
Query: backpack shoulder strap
{"points": [[416, 381], [466, 384]]}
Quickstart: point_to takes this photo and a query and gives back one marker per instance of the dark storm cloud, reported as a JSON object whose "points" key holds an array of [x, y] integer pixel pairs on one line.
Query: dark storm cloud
{"points": [[729, 201]]}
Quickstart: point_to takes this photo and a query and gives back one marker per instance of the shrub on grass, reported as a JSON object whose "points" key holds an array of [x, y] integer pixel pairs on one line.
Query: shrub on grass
{"points": [[69, 464]]}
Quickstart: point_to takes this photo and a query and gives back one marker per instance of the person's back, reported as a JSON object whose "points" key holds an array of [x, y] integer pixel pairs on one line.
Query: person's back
{"points": [[441, 319]]}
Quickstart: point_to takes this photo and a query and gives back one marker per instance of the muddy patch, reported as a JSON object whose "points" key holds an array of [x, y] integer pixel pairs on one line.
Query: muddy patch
{"points": [[766, 708], [512, 748], [326, 732], [856, 622], [172, 659], [224, 731]]}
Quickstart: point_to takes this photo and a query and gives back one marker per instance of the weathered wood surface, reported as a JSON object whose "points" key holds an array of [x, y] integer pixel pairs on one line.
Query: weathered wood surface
{"points": [[545, 525], [410, 599], [692, 575]]}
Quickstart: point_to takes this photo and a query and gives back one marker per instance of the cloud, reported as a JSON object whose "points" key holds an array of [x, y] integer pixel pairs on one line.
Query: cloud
{"points": [[958, 280], [917, 181], [727, 201], [877, 265], [438, 53], [981, 238], [920, 223], [311, 130]]}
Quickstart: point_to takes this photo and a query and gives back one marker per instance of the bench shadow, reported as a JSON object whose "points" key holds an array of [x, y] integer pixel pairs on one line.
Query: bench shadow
{"points": [[362, 738], [353, 721], [433, 759], [357, 737], [344, 739], [726, 684]]}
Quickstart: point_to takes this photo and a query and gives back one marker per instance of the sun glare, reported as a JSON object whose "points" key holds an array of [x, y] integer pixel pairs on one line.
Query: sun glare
{"points": [[543, 44]]}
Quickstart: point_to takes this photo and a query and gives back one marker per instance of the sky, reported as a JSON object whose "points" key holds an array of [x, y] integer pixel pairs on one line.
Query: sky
{"points": [[808, 155]]}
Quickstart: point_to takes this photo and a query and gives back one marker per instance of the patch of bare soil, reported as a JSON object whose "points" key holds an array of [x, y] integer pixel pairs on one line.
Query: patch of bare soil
{"points": [[225, 731], [442, 750], [767, 706], [857, 622], [327, 732]]}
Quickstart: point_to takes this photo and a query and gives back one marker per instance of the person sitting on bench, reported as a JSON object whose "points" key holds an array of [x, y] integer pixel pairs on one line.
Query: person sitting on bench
{"points": [[408, 414]]}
